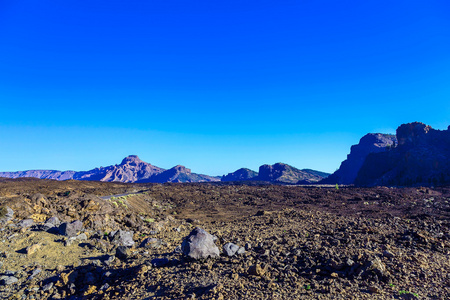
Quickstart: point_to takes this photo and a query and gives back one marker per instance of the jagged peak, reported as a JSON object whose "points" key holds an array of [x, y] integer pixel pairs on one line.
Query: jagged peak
{"points": [[131, 159]]}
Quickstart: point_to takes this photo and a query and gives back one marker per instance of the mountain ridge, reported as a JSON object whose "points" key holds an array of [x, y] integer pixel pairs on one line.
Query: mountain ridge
{"points": [[131, 169]]}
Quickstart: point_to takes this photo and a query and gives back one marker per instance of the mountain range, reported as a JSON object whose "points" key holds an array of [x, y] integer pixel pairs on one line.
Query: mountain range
{"points": [[416, 155], [133, 169]]}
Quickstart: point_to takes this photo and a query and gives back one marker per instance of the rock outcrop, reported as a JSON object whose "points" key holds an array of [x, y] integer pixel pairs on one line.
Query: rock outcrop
{"points": [[370, 143], [422, 157]]}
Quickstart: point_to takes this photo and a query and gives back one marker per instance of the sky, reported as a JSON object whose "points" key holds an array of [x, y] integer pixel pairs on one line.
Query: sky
{"points": [[215, 85]]}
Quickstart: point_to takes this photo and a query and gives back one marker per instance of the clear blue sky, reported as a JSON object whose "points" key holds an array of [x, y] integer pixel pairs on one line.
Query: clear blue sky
{"points": [[215, 85]]}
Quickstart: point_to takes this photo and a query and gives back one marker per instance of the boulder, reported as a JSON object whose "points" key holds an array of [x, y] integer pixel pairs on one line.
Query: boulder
{"points": [[70, 229], [199, 244], [123, 238]]}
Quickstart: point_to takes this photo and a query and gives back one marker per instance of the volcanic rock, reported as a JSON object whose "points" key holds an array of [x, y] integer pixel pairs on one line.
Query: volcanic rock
{"points": [[123, 238], [70, 229], [199, 244]]}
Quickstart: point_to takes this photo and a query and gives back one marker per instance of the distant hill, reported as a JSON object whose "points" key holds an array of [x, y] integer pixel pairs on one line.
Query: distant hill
{"points": [[279, 172], [131, 169], [240, 175]]}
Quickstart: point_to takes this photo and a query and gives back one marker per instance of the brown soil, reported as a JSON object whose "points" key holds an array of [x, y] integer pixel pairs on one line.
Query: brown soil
{"points": [[306, 242]]}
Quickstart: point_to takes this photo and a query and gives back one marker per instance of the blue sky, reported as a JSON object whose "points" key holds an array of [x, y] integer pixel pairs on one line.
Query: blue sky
{"points": [[215, 85]]}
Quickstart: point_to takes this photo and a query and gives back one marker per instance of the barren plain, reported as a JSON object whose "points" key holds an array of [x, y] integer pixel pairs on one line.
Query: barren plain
{"points": [[300, 242]]}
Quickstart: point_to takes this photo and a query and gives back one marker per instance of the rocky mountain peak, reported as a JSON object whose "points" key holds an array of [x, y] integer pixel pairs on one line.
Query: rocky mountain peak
{"points": [[131, 160], [412, 133], [181, 169]]}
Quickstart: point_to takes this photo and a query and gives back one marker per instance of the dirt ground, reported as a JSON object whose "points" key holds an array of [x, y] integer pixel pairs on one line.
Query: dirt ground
{"points": [[304, 242]]}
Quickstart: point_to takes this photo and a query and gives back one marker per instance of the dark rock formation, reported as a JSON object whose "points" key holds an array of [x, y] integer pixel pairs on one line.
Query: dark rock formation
{"points": [[240, 175], [370, 143], [422, 157]]}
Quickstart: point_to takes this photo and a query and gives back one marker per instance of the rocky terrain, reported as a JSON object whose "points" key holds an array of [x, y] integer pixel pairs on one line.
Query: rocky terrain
{"points": [[131, 169], [277, 173], [101, 240]]}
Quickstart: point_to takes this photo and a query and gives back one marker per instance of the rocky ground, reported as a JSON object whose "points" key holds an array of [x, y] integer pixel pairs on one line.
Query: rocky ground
{"points": [[72, 240]]}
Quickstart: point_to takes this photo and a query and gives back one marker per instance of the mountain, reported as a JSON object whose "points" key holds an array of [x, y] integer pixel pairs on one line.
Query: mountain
{"points": [[370, 143], [43, 174], [131, 169], [422, 157], [240, 175], [278, 172], [179, 174]]}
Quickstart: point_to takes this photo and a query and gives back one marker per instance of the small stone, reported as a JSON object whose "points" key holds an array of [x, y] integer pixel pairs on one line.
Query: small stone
{"points": [[123, 252], [25, 223], [7, 280], [248, 246], [69, 241], [82, 237], [6, 214], [47, 287], [151, 243], [230, 249], [34, 273], [334, 275], [32, 249], [256, 270]]}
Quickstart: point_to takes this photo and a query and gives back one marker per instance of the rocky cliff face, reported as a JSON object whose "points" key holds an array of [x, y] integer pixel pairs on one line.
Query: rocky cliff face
{"points": [[422, 157], [370, 143], [278, 172], [131, 169]]}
